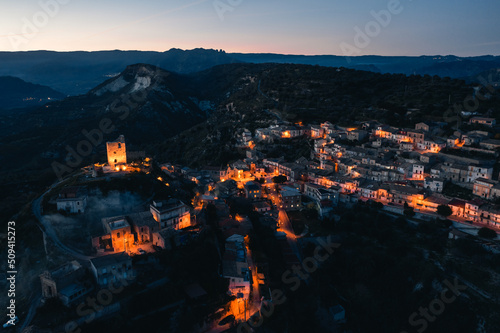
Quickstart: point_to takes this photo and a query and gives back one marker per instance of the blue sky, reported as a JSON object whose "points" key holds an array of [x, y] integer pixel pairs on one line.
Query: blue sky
{"points": [[416, 27]]}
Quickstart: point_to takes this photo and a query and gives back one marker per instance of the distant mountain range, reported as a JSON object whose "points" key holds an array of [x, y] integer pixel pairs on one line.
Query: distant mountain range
{"points": [[75, 73], [16, 93]]}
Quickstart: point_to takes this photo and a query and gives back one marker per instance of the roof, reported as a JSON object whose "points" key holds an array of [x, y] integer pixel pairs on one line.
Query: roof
{"points": [[66, 269], [437, 200], [495, 209], [143, 219], [72, 193], [476, 202], [290, 193], [404, 189], [71, 289], [430, 180], [261, 204], [115, 222], [110, 259], [167, 233], [482, 118], [457, 203], [195, 290], [166, 205], [252, 186], [235, 238], [487, 181]]}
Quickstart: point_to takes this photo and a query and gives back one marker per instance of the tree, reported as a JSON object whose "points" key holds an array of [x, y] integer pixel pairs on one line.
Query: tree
{"points": [[279, 179], [487, 233], [408, 211], [444, 210], [211, 215]]}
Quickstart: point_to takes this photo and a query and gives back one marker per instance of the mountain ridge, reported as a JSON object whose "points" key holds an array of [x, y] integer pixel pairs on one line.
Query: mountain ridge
{"points": [[75, 73]]}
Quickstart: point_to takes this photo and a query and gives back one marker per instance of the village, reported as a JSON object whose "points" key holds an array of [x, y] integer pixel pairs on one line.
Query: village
{"points": [[406, 171]]}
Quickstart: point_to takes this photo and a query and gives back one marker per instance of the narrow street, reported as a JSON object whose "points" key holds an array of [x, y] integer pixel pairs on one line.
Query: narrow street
{"points": [[286, 226]]}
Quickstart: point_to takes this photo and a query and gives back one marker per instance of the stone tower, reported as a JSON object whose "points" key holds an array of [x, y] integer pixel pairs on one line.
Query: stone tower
{"points": [[117, 154]]}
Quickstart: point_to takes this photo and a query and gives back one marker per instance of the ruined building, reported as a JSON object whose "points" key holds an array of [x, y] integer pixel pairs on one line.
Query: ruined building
{"points": [[68, 283]]}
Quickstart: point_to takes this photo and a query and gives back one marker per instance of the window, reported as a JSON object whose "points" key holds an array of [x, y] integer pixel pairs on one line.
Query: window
{"points": [[118, 235]]}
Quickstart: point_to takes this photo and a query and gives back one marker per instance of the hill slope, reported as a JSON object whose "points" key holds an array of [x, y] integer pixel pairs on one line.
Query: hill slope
{"points": [[16, 93]]}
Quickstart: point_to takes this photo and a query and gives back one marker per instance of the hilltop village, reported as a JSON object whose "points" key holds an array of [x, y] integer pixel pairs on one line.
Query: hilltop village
{"points": [[414, 172]]}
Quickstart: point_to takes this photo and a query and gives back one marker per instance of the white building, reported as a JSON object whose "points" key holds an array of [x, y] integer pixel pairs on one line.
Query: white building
{"points": [[172, 213], [434, 184], [417, 171], [72, 199], [475, 172]]}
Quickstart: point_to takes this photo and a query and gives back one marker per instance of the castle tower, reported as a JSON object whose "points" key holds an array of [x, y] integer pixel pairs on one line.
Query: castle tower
{"points": [[117, 154]]}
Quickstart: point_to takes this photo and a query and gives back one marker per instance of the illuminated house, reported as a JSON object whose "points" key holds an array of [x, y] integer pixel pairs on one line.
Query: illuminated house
{"points": [[357, 135], [486, 188], [319, 193], [490, 122], [416, 136], [317, 131], [471, 211], [477, 210], [261, 207], [432, 203], [417, 172], [72, 199], [171, 213], [216, 173], [112, 269], [252, 191], [117, 153], [120, 233], [457, 206], [290, 199], [370, 190], [479, 171], [144, 226], [400, 194], [434, 145]]}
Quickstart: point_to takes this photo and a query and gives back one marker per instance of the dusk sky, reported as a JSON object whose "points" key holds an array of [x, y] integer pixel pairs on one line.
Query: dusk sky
{"points": [[420, 27]]}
